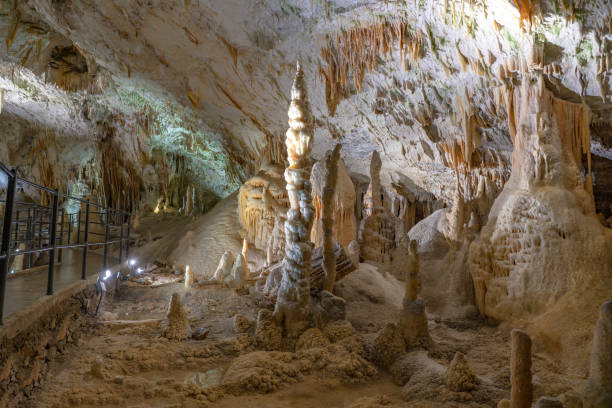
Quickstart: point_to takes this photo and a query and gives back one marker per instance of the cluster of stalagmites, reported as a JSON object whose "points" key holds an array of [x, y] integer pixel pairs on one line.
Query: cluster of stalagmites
{"points": [[232, 271], [302, 283]]}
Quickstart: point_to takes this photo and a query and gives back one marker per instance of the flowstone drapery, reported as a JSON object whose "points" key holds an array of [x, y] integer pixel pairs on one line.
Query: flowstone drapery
{"points": [[292, 310], [542, 238]]}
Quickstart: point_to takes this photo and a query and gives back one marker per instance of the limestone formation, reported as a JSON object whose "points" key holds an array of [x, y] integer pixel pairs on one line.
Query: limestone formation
{"points": [[413, 321], [245, 250], [548, 402], [353, 252], [327, 308], [542, 237], [224, 270], [342, 202], [327, 220], [240, 272], [412, 273], [292, 310], [241, 323], [97, 369], [268, 335], [598, 392], [262, 204], [389, 345], [459, 376], [344, 266], [521, 394], [377, 229], [189, 280], [176, 325]]}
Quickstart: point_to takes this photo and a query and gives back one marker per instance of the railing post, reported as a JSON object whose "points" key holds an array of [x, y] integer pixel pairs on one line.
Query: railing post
{"points": [[127, 240], [106, 233], [6, 237], [79, 226], [69, 227], [121, 240], [52, 243], [61, 237], [16, 226], [29, 235], [40, 228], [86, 242]]}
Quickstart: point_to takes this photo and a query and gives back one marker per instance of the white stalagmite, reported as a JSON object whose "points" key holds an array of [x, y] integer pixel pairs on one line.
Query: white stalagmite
{"points": [[292, 306]]}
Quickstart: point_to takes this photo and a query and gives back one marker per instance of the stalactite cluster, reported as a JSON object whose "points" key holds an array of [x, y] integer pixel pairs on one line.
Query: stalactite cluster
{"points": [[357, 51]]}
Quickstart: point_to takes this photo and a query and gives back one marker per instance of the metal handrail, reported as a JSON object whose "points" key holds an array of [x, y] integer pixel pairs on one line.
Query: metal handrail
{"points": [[48, 239]]}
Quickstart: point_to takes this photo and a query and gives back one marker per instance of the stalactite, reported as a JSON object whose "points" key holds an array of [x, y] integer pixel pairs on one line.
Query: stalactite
{"points": [[261, 200], [356, 51]]}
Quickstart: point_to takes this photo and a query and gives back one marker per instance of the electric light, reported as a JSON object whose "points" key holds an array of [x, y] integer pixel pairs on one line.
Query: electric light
{"points": [[107, 275]]}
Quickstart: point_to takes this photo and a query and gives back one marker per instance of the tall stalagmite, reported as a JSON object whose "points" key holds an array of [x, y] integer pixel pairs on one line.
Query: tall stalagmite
{"points": [[598, 392], [292, 306], [377, 230], [521, 394], [329, 257]]}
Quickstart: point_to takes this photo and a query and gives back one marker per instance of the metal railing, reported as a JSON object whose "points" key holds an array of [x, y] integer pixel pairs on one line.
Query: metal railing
{"points": [[30, 229]]}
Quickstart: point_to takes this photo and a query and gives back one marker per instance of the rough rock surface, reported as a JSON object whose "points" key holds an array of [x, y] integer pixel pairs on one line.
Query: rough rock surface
{"points": [[176, 325], [459, 376], [389, 345]]}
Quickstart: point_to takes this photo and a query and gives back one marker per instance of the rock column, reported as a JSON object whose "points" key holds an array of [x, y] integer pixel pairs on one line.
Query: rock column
{"points": [[327, 212], [598, 392], [413, 321], [521, 394], [292, 310]]}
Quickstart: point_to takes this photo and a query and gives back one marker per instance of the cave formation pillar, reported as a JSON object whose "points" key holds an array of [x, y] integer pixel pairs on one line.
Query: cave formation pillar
{"points": [[521, 394], [327, 212], [292, 311]]}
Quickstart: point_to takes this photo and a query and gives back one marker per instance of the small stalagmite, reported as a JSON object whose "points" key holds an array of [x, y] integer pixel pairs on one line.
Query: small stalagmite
{"points": [[176, 325], [292, 311], [188, 277], [353, 252], [224, 270], [598, 392], [459, 376], [240, 272], [521, 394], [245, 250]]}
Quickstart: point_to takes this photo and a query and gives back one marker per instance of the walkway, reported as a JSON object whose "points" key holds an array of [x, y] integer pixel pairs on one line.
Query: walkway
{"points": [[25, 289]]}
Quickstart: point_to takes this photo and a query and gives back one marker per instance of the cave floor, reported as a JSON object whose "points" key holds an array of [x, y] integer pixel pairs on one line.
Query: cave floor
{"points": [[139, 368]]}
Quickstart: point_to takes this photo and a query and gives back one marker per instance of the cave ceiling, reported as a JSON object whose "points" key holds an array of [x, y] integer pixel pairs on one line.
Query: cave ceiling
{"points": [[394, 76]]}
